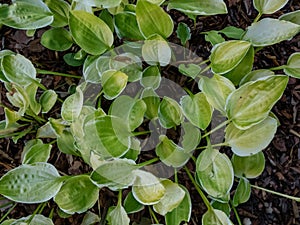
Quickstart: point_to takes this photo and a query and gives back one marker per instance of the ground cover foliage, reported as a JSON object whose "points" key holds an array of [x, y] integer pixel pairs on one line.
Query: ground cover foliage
{"points": [[90, 150]]}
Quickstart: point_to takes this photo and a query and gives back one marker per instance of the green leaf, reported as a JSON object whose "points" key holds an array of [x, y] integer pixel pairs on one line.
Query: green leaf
{"points": [[182, 212], [197, 110], [190, 70], [225, 207], [293, 17], [227, 55], [152, 19], [118, 216], [183, 33], [252, 140], [127, 27], [107, 135], [90, 33], [191, 137], [169, 113], [131, 205], [249, 166], [102, 3], [77, 195], [216, 90], [252, 102], [195, 7], [26, 15], [90, 218], [48, 100], [242, 69], [113, 82], [66, 143], [170, 153], [116, 175], [147, 188], [270, 31], [60, 10], [90, 71], [172, 198], [18, 69], [215, 217], [107, 18], [269, 6], [37, 153], [242, 193], [72, 106], [11, 117], [255, 75], [152, 102], [213, 37], [57, 39], [151, 77], [18, 97], [36, 219], [233, 32], [31, 183], [293, 65], [216, 177], [31, 91], [69, 58], [156, 51], [129, 109]]}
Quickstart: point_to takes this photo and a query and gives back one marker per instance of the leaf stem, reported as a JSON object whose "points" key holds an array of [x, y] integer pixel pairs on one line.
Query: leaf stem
{"points": [[297, 199], [257, 18], [149, 162], [236, 213], [120, 198], [40, 71], [215, 145], [141, 133], [8, 212], [205, 200], [153, 215], [217, 128], [278, 67]]}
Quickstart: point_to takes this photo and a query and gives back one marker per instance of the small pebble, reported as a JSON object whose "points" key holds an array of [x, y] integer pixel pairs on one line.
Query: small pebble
{"points": [[247, 221]]}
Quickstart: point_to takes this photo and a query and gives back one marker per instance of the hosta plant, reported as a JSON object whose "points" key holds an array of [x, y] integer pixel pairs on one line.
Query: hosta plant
{"points": [[122, 89]]}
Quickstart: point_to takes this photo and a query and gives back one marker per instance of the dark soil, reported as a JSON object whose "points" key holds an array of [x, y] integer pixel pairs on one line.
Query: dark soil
{"points": [[282, 172]]}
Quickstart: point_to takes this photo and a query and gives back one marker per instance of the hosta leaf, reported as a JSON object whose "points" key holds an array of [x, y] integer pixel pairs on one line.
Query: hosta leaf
{"points": [[293, 17], [116, 174], [249, 166], [270, 31], [233, 32], [77, 195], [152, 102], [190, 70], [47, 100], [90, 218], [18, 69], [216, 90], [255, 75], [66, 143], [72, 106], [127, 27], [108, 136], [203, 7], [252, 140], [242, 69], [169, 113], [151, 77], [131, 205], [113, 82], [90, 70], [170, 153], [197, 110], [147, 188], [183, 33], [118, 216], [60, 10], [215, 217], [101, 3], [34, 220], [252, 102], [293, 65], [172, 198], [217, 177], [57, 39], [191, 137], [227, 55], [11, 117], [213, 37], [90, 32], [31, 183], [182, 212], [37, 153], [156, 51], [269, 6], [242, 193], [152, 19], [26, 15], [129, 109], [31, 91], [225, 207]]}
